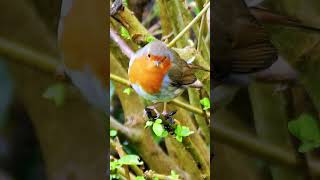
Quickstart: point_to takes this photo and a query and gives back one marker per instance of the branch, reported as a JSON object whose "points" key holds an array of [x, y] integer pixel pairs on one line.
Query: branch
{"points": [[28, 56], [124, 47], [118, 147], [175, 102], [189, 25]]}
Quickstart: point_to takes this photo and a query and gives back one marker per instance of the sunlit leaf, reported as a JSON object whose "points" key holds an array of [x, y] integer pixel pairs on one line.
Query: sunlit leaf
{"points": [[174, 175], [150, 39], [205, 102], [113, 133], [127, 91], [124, 33], [130, 160], [157, 129], [148, 124], [179, 138], [56, 93]]}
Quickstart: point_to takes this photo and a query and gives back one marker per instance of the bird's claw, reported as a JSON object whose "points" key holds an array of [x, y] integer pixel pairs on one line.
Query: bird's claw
{"points": [[168, 116], [148, 113]]}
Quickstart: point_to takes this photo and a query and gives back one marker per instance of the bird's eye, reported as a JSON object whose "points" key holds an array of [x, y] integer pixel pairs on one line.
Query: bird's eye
{"points": [[149, 55]]}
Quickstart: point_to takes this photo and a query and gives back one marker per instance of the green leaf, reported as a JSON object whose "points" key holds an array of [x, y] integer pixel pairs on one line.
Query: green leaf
{"points": [[130, 160], [164, 133], [56, 93], [306, 129], [124, 33], [185, 131], [308, 146], [125, 3], [155, 178], [140, 178], [205, 102], [159, 121], [182, 131], [114, 176], [178, 138], [150, 39], [114, 165], [113, 133], [112, 89], [148, 124], [157, 129], [127, 91], [174, 175]]}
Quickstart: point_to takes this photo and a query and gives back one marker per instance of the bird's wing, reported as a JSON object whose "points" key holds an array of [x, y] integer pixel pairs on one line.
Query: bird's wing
{"points": [[241, 44], [251, 48], [180, 73]]}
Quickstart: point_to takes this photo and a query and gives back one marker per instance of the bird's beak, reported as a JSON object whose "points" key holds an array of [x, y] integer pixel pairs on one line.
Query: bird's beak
{"points": [[157, 63]]}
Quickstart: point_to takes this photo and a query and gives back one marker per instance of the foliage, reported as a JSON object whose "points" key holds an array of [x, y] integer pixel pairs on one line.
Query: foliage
{"points": [[55, 93], [306, 129]]}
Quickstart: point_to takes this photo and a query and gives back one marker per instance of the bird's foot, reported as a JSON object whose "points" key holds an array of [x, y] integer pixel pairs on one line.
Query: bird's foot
{"points": [[148, 112], [170, 122], [168, 116]]}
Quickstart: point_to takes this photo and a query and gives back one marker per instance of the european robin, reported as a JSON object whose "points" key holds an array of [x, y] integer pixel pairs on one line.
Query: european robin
{"points": [[158, 74], [82, 39], [241, 44]]}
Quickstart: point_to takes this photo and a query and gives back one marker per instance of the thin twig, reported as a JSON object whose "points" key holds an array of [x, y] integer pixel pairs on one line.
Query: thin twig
{"points": [[121, 153], [124, 47], [152, 175], [28, 56], [200, 32], [189, 25]]}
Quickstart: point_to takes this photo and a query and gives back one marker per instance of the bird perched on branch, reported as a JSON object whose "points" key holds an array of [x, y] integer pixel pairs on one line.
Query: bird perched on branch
{"points": [[82, 39], [157, 73]]}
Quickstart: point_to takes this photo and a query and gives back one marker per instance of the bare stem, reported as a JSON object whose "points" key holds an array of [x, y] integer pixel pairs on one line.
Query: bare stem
{"points": [[189, 25]]}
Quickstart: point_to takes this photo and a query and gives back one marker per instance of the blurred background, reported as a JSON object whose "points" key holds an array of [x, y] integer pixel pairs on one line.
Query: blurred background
{"points": [[47, 129], [269, 128]]}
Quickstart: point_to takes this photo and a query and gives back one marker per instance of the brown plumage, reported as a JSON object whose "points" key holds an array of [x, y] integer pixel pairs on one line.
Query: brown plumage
{"points": [[240, 43]]}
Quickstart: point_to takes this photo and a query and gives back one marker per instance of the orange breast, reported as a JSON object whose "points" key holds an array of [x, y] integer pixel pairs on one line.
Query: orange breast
{"points": [[147, 75]]}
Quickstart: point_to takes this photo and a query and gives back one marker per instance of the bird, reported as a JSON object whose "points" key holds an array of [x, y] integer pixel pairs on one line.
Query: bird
{"points": [[241, 45], [242, 49], [158, 74], [82, 40]]}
